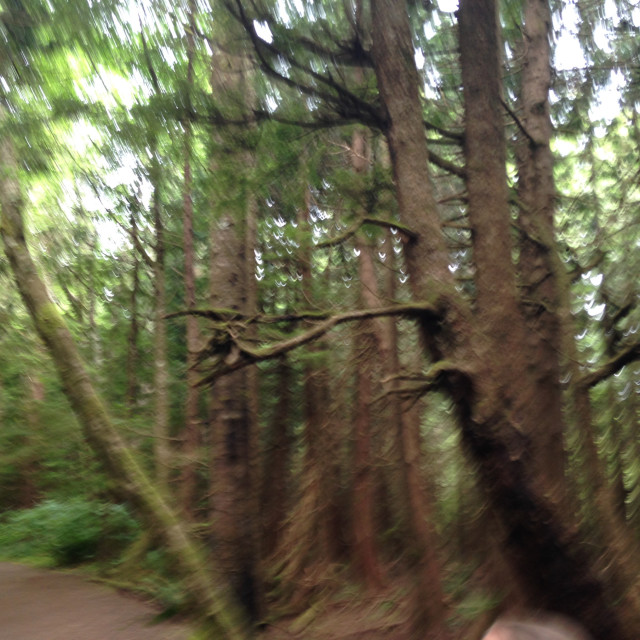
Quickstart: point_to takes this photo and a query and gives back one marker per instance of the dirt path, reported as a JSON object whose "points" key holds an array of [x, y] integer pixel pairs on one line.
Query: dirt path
{"points": [[36, 604]]}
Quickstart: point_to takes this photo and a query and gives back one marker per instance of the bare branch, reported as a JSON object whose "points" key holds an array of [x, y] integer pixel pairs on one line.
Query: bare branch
{"points": [[519, 124], [452, 135], [446, 165], [379, 222], [626, 356]]}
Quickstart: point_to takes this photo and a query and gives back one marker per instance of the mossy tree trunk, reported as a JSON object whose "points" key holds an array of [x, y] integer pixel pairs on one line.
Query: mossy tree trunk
{"points": [[208, 591]]}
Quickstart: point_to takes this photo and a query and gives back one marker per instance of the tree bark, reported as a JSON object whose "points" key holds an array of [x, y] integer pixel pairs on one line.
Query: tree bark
{"points": [[230, 495], [363, 513], [277, 453], [498, 429], [538, 253], [233, 409]]}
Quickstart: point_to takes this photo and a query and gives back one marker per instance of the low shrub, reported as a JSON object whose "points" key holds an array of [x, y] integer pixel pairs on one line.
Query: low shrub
{"points": [[68, 532]]}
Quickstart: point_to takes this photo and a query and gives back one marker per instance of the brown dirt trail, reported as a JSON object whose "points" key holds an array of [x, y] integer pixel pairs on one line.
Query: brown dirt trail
{"points": [[37, 604]]}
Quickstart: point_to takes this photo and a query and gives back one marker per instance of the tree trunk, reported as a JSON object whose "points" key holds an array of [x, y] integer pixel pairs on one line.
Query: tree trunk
{"points": [[538, 259], [546, 295], [161, 448], [231, 505], [497, 424], [206, 589], [191, 430], [234, 398], [363, 513], [277, 453], [133, 353], [310, 541]]}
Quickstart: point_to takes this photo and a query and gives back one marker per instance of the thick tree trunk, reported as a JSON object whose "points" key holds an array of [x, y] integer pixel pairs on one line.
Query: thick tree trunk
{"points": [[234, 397], [207, 590], [427, 256], [538, 260], [498, 429], [231, 490]]}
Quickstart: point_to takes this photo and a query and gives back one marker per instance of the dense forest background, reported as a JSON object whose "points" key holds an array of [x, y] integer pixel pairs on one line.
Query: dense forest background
{"points": [[331, 300]]}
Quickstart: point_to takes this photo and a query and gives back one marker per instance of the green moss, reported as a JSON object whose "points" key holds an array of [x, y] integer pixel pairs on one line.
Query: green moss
{"points": [[48, 317]]}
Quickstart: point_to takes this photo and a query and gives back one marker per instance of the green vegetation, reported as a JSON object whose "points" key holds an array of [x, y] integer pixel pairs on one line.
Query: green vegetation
{"points": [[336, 293], [64, 533]]}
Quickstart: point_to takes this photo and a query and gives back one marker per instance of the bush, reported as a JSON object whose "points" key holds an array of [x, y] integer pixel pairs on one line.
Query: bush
{"points": [[68, 532]]}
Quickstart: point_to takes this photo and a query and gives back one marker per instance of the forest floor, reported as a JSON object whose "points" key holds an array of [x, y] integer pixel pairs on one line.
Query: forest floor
{"points": [[349, 614], [40, 604], [37, 604]]}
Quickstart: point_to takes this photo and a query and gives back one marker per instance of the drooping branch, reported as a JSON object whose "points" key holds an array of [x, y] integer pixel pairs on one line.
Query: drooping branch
{"points": [[612, 366], [335, 95], [230, 353]]}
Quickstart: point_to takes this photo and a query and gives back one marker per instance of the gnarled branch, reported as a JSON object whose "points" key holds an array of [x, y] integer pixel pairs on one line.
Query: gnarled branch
{"points": [[232, 353]]}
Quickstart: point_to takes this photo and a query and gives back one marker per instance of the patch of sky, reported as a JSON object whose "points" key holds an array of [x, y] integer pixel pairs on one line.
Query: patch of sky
{"points": [[448, 6], [262, 31]]}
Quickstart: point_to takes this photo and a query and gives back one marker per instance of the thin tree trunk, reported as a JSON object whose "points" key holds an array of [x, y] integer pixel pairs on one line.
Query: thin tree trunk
{"points": [[276, 484], [161, 448], [191, 430], [207, 590], [363, 513], [133, 353], [309, 541], [253, 394], [28, 493]]}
